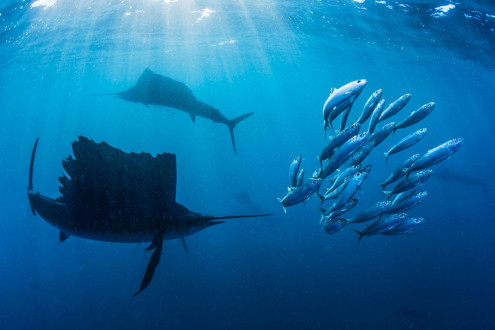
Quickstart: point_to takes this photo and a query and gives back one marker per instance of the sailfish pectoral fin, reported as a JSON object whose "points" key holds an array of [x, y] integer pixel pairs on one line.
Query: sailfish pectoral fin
{"points": [[150, 270], [156, 241], [63, 236], [193, 117]]}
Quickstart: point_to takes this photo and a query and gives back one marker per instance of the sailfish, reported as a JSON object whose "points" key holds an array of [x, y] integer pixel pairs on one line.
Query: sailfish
{"points": [[155, 89], [113, 196]]}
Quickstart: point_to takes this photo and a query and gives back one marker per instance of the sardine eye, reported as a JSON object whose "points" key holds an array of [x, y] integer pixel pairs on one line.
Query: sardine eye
{"points": [[359, 81]]}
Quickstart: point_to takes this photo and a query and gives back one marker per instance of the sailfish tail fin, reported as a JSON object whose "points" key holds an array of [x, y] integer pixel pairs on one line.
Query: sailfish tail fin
{"points": [[31, 168], [232, 123], [31, 165]]}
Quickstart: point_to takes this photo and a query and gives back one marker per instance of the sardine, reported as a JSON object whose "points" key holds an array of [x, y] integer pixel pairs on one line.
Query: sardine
{"points": [[416, 116], [407, 194], [351, 188], [300, 178], [405, 226], [338, 140], [395, 106], [380, 136], [407, 204], [370, 106], [300, 194], [406, 142], [382, 225], [333, 194], [332, 226], [347, 207], [400, 171], [371, 212], [343, 118], [343, 175], [344, 152], [375, 116], [435, 155], [342, 97], [363, 152], [294, 171], [419, 178]]}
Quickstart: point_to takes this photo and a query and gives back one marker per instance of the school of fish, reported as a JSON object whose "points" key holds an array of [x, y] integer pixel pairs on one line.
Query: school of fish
{"points": [[343, 171]]}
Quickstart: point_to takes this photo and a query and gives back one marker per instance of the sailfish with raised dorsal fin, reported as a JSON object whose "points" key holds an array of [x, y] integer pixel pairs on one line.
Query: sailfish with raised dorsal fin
{"points": [[113, 196], [155, 89]]}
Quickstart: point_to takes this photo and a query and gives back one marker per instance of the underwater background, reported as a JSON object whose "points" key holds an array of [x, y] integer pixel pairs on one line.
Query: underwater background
{"points": [[278, 59]]}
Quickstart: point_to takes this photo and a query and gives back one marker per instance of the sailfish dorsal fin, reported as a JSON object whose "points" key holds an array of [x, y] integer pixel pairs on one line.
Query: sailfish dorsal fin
{"points": [[145, 76], [106, 180]]}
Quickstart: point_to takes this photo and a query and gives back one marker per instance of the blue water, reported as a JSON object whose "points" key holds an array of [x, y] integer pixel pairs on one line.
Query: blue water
{"points": [[278, 59]]}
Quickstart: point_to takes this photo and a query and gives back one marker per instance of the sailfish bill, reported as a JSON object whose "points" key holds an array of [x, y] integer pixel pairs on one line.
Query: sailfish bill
{"points": [[155, 89]]}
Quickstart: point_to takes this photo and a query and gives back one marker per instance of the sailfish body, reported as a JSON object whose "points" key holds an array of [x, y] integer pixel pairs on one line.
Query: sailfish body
{"points": [[155, 89], [113, 196]]}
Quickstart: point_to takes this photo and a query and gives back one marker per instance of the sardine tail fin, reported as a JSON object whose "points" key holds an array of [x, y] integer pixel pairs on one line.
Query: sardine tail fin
{"points": [[232, 123], [387, 194], [360, 235], [331, 127]]}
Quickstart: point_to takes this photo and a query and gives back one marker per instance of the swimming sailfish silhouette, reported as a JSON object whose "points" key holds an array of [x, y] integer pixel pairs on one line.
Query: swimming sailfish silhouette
{"points": [[113, 196], [155, 89]]}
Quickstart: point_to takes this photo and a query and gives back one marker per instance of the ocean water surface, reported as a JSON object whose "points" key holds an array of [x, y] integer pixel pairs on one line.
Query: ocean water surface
{"points": [[278, 59]]}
